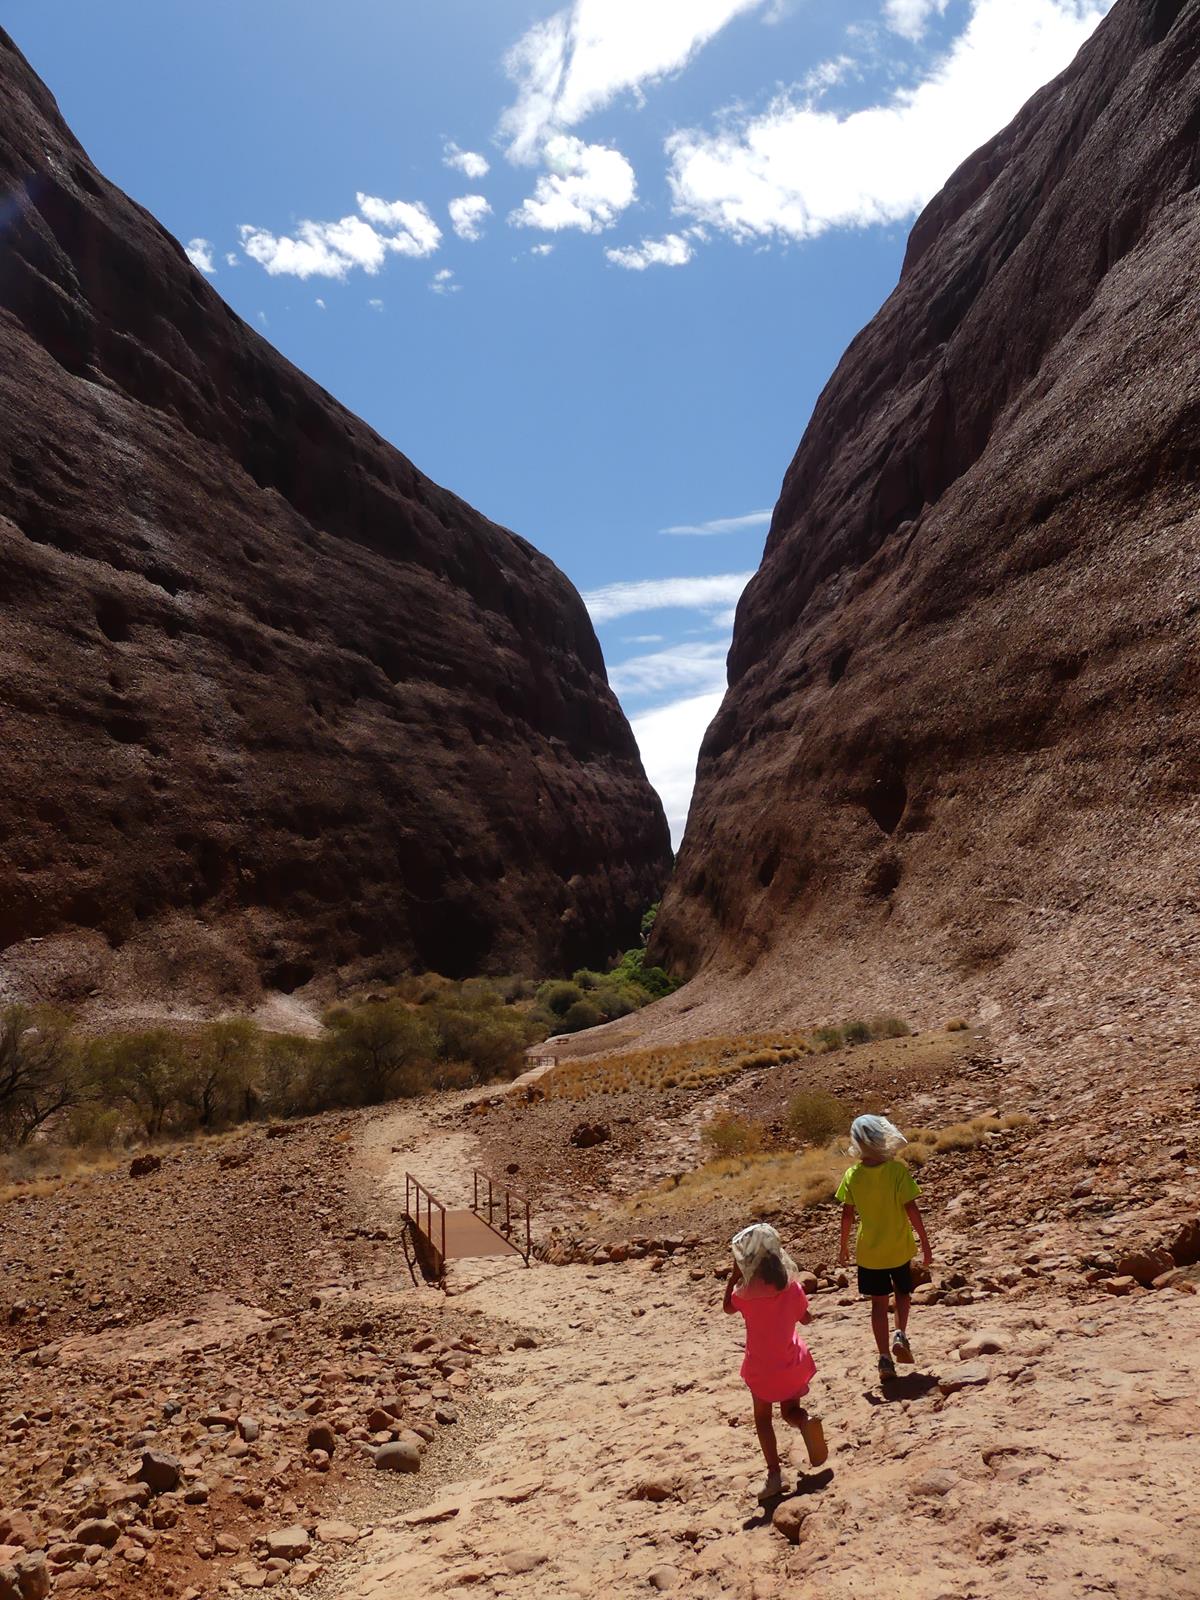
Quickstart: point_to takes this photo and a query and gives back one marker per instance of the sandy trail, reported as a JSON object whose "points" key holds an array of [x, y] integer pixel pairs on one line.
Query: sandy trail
{"points": [[629, 1464]]}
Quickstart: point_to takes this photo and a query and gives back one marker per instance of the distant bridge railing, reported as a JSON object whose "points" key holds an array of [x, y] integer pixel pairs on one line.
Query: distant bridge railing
{"points": [[490, 1196]]}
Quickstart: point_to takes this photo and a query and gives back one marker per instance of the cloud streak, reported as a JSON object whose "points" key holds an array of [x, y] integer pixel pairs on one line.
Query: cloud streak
{"points": [[615, 600], [669, 739], [691, 666], [672, 251], [796, 171], [752, 519]]}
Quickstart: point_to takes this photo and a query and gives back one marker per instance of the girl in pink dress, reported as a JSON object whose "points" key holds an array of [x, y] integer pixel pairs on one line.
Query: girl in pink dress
{"points": [[778, 1366]]}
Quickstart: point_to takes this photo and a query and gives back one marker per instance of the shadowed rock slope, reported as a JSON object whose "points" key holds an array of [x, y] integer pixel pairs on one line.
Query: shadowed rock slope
{"points": [[959, 755], [272, 701]]}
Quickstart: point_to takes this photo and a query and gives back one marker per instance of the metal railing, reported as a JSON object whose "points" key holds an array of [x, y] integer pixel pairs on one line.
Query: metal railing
{"points": [[432, 1230], [514, 1206]]}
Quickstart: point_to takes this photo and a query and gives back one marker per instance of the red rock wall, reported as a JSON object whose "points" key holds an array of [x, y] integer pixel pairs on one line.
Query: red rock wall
{"points": [[271, 702], [960, 747]]}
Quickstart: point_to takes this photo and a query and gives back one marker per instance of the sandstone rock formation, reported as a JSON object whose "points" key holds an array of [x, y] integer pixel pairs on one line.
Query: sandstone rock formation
{"points": [[959, 748], [273, 702]]}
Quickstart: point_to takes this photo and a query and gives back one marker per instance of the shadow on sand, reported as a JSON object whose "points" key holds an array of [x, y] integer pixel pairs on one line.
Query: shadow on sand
{"points": [[910, 1387], [809, 1483]]}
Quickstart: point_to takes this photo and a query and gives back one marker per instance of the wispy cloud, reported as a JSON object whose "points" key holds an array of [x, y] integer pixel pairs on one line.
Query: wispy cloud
{"points": [[752, 519], [375, 305], [912, 17], [200, 253], [540, 249], [672, 251], [586, 186], [615, 600], [231, 260], [320, 303], [692, 666], [443, 282], [669, 739], [578, 60], [466, 216], [334, 249], [796, 170], [469, 162]]}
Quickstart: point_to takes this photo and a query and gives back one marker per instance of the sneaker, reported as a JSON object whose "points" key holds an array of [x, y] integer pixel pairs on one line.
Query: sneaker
{"points": [[901, 1349], [772, 1489], [812, 1431], [887, 1367]]}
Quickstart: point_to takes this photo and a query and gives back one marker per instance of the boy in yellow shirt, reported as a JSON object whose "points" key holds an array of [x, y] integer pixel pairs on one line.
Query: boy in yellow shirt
{"points": [[884, 1194]]}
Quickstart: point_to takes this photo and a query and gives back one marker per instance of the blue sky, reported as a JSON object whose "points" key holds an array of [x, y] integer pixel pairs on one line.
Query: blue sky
{"points": [[587, 264]]}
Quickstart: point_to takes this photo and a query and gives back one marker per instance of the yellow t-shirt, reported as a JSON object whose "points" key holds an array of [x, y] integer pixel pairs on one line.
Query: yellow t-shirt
{"points": [[879, 1195]]}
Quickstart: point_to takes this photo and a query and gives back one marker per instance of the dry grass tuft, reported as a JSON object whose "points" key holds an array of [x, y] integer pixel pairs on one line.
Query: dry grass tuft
{"points": [[790, 1180], [707, 1063]]}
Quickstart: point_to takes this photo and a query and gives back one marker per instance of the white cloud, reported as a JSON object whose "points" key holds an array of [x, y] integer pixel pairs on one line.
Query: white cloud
{"points": [[200, 253], [752, 519], [540, 249], [797, 171], [375, 305], [333, 249], [443, 282], [911, 17], [469, 162], [587, 187], [413, 230], [467, 214], [321, 303], [669, 739], [691, 666], [578, 60], [231, 260], [642, 638], [615, 600], [671, 251]]}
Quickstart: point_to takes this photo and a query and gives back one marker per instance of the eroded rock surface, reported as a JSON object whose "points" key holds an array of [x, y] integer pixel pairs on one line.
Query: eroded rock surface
{"points": [[273, 702], [958, 756]]}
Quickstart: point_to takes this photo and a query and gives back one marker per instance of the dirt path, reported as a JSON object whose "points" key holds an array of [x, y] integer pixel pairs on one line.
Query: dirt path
{"points": [[626, 1463]]}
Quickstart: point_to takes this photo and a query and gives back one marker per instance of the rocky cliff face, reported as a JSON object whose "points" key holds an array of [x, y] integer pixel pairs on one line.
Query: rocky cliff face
{"points": [[959, 752], [272, 702]]}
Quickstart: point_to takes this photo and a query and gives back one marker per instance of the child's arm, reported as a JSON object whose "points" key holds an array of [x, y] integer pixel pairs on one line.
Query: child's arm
{"points": [[731, 1283], [844, 1246], [918, 1223]]}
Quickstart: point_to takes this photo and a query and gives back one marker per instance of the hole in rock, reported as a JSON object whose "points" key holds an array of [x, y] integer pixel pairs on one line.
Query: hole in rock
{"points": [[287, 976], [113, 620], [886, 800], [839, 663], [769, 868]]}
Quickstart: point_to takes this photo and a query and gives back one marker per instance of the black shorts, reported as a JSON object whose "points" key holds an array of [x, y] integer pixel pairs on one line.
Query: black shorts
{"points": [[882, 1280]]}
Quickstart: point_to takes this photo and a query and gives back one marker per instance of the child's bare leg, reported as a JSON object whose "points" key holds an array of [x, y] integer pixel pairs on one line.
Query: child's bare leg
{"points": [[765, 1429], [903, 1306], [879, 1321], [793, 1413]]}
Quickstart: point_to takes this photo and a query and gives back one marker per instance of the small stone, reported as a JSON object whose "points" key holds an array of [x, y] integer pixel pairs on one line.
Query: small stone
{"points": [[402, 1455], [524, 1341], [288, 1544], [789, 1519], [160, 1472], [143, 1166], [248, 1428], [664, 1578], [97, 1530], [1119, 1286], [380, 1421], [322, 1437], [1145, 1265], [982, 1344], [334, 1532], [970, 1376], [933, 1485]]}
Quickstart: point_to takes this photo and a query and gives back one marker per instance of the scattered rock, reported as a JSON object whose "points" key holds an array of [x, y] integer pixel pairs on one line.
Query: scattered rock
{"points": [[143, 1166], [160, 1472], [401, 1455], [586, 1134], [789, 1518], [970, 1376], [664, 1578], [981, 1344], [289, 1544]]}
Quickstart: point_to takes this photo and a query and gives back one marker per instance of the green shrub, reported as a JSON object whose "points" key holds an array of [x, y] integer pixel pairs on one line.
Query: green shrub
{"points": [[730, 1135], [147, 1072], [649, 917], [41, 1069], [828, 1038], [373, 1051], [815, 1117], [558, 996], [656, 982], [583, 1014], [487, 1037], [890, 1028], [856, 1033]]}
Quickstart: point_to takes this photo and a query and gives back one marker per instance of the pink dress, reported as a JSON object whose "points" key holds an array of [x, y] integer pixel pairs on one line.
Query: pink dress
{"points": [[778, 1365]]}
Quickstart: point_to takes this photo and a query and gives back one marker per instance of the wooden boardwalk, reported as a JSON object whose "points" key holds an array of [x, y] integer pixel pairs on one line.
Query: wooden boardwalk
{"points": [[440, 1235]]}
